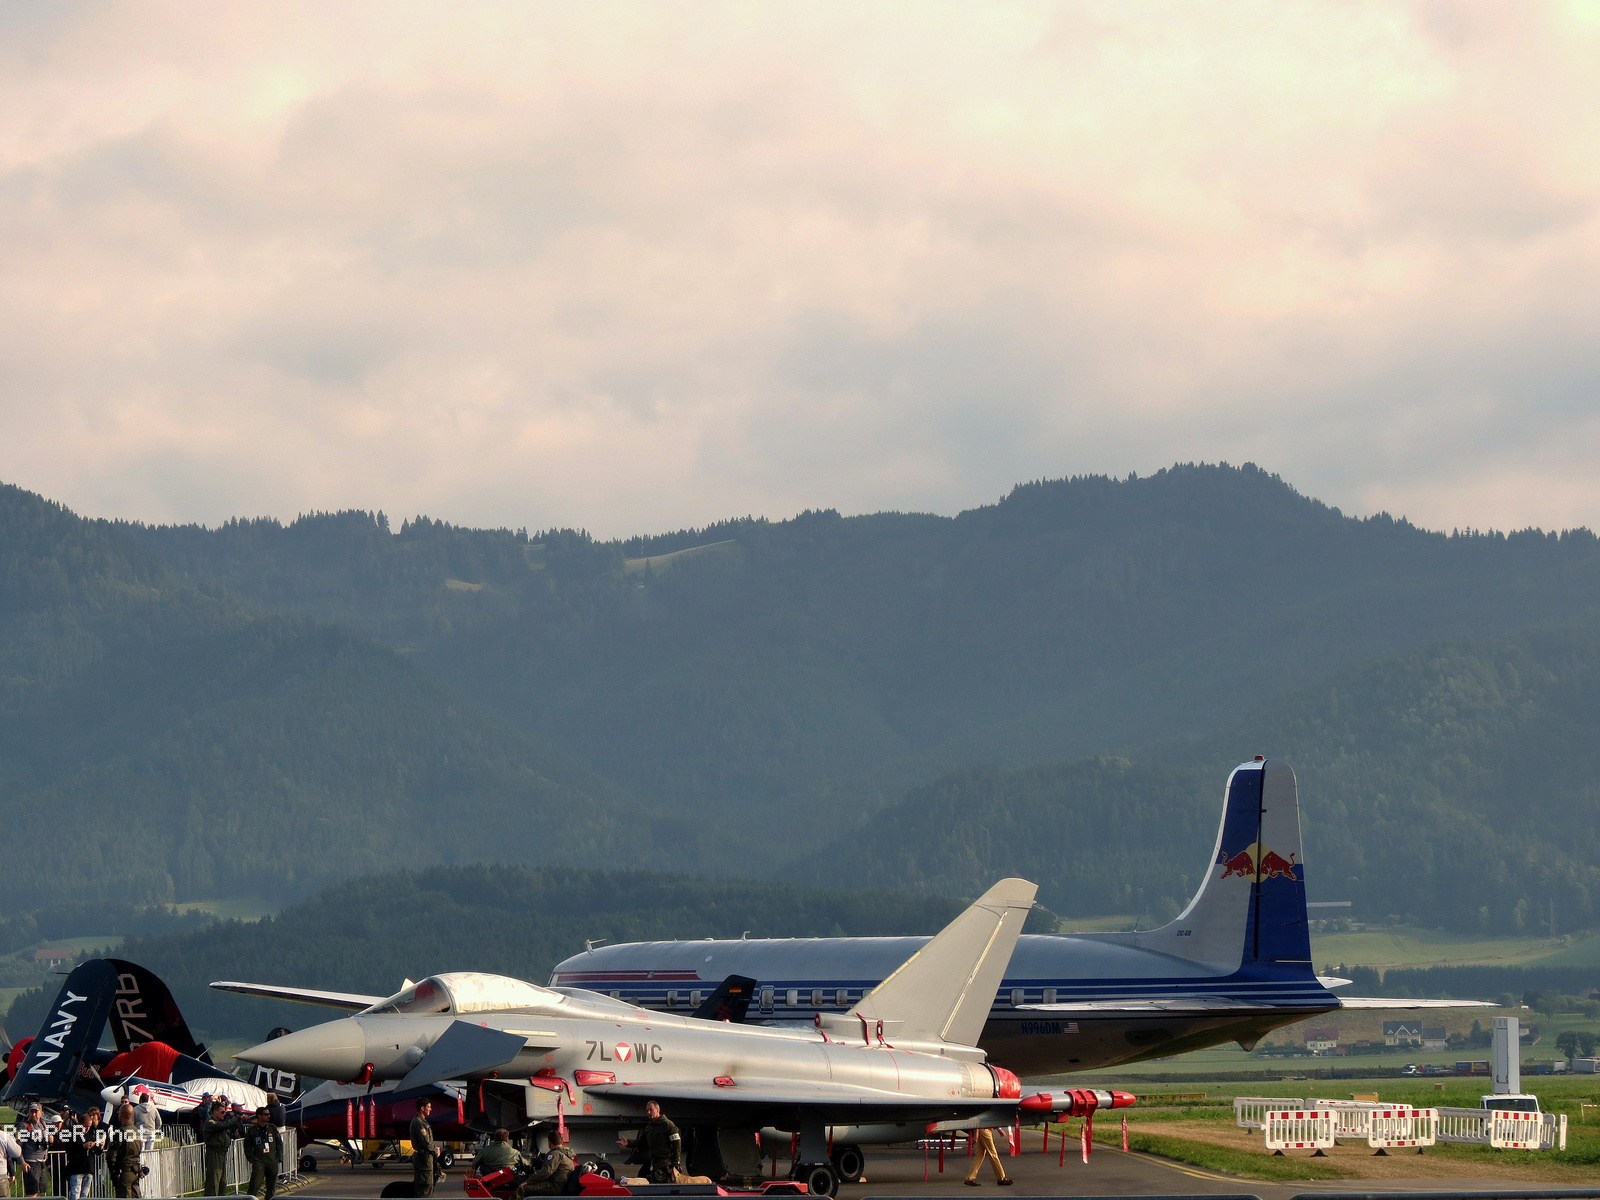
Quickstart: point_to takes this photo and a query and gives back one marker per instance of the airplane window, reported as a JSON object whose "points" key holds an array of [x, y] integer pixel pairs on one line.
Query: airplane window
{"points": [[794, 998], [672, 998], [1049, 995], [1017, 996], [694, 999], [766, 999], [842, 997], [424, 997], [816, 997]]}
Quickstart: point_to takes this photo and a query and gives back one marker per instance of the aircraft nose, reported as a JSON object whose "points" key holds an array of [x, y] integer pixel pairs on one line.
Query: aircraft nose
{"points": [[334, 1050]]}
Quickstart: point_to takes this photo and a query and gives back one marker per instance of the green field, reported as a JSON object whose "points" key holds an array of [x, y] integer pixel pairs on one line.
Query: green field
{"points": [[1408, 946]]}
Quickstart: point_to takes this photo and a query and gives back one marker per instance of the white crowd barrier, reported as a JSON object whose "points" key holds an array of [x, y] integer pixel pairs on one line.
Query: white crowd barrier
{"points": [[1298, 1129], [1250, 1112], [1401, 1128]]}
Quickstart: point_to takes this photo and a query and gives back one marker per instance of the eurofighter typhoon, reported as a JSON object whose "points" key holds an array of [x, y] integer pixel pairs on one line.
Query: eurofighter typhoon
{"points": [[905, 1054]]}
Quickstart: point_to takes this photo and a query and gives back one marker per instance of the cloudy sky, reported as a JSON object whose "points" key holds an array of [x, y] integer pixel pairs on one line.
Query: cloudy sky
{"points": [[632, 267]]}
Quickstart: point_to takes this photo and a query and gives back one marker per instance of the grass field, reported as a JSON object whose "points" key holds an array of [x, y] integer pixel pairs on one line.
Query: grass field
{"points": [[1408, 946]]}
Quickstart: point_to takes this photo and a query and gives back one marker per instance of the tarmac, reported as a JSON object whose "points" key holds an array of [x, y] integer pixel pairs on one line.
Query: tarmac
{"points": [[899, 1172]]}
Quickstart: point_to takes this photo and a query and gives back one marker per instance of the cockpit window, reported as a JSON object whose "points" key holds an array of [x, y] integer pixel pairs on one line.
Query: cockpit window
{"points": [[429, 996]]}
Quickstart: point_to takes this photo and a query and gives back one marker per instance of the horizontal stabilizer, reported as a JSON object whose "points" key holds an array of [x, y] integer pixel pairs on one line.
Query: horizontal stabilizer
{"points": [[1398, 1003], [462, 1050], [344, 1000], [945, 990]]}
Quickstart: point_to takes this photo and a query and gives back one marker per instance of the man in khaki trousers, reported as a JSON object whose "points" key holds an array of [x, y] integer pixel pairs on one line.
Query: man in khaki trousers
{"points": [[983, 1148]]}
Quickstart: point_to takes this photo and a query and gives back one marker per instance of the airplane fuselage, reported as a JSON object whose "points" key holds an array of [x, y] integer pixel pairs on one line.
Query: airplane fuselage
{"points": [[801, 977]]}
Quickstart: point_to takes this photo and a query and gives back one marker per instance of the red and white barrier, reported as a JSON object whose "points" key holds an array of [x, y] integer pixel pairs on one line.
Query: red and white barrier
{"points": [[1299, 1129]]}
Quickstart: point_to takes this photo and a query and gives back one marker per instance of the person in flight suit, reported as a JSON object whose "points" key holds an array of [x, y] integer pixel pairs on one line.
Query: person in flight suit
{"points": [[221, 1127], [123, 1151], [550, 1177], [263, 1149], [658, 1148], [424, 1151], [498, 1152]]}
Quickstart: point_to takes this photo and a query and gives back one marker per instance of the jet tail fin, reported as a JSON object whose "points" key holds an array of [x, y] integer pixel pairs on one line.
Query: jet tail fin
{"points": [[729, 1002], [944, 991], [1249, 913]]}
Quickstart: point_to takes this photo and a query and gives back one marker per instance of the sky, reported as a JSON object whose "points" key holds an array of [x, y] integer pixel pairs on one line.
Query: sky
{"points": [[635, 267]]}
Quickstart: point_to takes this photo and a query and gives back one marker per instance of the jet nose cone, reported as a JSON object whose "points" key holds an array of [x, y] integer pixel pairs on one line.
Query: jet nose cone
{"points": [[335, 1050]]}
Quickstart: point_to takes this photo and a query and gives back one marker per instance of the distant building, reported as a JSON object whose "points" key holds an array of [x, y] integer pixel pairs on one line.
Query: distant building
{"points": [[1322, 1041], [1402, 1033], [1435, 1039], [54, 955]]}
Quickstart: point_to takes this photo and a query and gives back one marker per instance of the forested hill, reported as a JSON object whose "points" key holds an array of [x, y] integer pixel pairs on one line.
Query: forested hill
{"points": [[824, 664], [367, 935], [1457, 785], [159, 743]]}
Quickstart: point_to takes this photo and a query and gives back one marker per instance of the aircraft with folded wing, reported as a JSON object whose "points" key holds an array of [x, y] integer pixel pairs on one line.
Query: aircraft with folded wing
{"points": [[1234, 965], [527, 1055]]}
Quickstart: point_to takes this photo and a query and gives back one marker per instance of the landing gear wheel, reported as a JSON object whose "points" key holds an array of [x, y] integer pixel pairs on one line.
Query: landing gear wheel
{"points": [[601, 1167], [308, 1163], [820, 1178], [849, 1163], [447, 1159]]}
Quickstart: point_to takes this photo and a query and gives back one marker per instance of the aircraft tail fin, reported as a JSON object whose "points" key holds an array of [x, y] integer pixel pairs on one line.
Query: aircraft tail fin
{"points": [[50, 1068], [729, 1002], [1249, 913], [146, 1012], [944, 991]]}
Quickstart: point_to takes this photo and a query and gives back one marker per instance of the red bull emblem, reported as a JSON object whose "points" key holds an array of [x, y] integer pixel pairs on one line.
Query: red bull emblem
{"points": [[1256, 861]]}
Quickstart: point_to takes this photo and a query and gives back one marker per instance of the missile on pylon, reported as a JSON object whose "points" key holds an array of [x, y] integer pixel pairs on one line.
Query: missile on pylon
{"points": [[1076, 1102]]}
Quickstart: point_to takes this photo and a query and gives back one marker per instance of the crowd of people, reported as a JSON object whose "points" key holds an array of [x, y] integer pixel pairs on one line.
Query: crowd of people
{"points": [[132, 1130]]}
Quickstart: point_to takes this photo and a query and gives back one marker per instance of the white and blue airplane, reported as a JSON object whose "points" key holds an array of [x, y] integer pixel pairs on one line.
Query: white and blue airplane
{"points": [[1234, 965]]}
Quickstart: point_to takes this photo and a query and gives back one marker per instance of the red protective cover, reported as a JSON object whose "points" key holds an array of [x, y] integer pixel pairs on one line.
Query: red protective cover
{"points": [[153, 1060]]}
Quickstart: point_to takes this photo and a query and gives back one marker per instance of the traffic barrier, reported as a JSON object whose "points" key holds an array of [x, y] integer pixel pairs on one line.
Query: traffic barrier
{"points": [[1249, 1112], [1510, 1130], [1299, 1129], [1476, 1125], [174, 1170], [1401, 1128]]}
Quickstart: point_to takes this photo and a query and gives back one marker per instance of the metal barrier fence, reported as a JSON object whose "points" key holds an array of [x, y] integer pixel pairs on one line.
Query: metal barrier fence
{"points": [[1353, 1120], [173, 1170]]}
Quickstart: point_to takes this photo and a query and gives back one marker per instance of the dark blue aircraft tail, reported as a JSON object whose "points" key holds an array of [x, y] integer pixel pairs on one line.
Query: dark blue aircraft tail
{"points": [[1249, 914]]}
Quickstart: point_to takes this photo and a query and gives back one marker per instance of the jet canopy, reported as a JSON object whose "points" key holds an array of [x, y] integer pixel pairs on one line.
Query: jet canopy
{"points": [[466, 992]]}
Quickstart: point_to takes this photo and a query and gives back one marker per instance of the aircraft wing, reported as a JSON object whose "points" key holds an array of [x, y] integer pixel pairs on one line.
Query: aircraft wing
{"points": [[839, 1101], [1197, 1006], [345, 1000], [1395, 1002]]}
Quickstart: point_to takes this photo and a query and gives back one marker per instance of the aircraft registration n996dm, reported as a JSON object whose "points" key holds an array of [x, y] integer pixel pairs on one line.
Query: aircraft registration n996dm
{"points": [[903, 1055], [1231, 967]]}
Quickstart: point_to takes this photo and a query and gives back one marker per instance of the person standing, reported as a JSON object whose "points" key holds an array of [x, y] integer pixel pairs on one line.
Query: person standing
{"points": [[221, 1127], [983, 1148], [34, 1136], [147, 1117], [424, 1151], [84, 1141], [10, 1153], [264, 1150], [658, 1148], [123, 1152], [275, 1112], [196, 1116]]}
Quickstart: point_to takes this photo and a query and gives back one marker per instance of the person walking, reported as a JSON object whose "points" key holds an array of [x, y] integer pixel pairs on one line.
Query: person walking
{"points": [[84, 1141], [264, 1150], [983, 1148], [221, 1127], [424, 1151], [123, 1150], [658, 1148]]}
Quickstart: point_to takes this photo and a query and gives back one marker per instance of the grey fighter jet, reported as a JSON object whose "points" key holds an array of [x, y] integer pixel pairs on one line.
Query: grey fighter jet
{"points": [[905, 1053]]}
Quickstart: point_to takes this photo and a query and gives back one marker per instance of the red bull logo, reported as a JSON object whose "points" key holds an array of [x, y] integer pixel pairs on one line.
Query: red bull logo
{"points": [[1255, 861]]}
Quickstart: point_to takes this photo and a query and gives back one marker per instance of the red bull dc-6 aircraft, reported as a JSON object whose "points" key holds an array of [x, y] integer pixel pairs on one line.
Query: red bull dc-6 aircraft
{"points": [[1231, 967]]}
